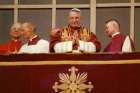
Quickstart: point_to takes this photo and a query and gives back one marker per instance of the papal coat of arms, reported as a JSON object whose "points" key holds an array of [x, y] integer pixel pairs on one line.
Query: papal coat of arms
{"points": [[73, 83]]}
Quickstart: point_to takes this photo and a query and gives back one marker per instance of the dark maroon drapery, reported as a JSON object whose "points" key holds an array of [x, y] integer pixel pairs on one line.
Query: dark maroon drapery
{"points": [[106, 78]]}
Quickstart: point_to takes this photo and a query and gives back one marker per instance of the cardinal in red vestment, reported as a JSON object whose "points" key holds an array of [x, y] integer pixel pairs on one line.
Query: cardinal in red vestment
{"points": [[12, 46]]}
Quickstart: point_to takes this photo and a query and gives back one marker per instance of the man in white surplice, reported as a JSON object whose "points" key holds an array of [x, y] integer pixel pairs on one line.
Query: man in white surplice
{"points": [[35, 44], [74, 37]]}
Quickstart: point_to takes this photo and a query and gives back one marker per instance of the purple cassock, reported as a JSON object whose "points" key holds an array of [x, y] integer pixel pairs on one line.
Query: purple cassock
{"points": [[116, 44]]}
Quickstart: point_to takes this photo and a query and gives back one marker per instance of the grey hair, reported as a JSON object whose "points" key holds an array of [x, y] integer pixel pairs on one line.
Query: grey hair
{"points": [[15, 27], [30, 25], [75, 10], [114, 22]]}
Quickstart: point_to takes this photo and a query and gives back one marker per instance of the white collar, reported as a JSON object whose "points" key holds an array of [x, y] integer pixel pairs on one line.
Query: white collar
{"points": [[115, 34], [15, 40], [33, 38]]}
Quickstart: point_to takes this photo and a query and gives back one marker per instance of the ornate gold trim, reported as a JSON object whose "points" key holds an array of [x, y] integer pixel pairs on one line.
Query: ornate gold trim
{"points": [[17, 63]]}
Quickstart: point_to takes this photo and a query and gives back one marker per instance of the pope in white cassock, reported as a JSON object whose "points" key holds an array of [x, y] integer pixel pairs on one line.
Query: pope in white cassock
{"points": [[35, 44]]}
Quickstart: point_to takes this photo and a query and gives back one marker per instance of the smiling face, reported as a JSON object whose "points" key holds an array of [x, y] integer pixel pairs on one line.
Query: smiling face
{"points": [[74, 19], [27, 30], [15, 34], [16, 31]]}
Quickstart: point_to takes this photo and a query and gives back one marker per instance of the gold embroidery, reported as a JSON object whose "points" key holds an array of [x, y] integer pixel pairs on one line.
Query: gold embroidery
{"points": [[85, 35], [65, 36], [73, 83]]}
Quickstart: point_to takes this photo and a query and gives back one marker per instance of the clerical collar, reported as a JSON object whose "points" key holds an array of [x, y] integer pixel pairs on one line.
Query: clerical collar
{"points": [[33, 38], [115, 34], [15, 40]]}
